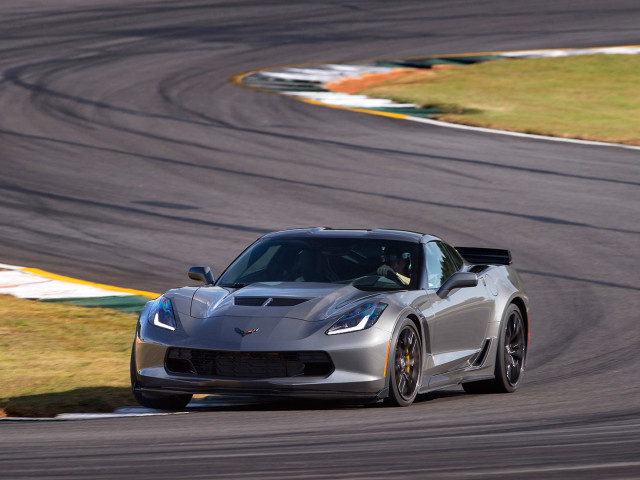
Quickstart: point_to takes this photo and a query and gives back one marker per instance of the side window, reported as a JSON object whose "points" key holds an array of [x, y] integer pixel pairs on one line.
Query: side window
{"points": [[439, 265], [455, 256]]}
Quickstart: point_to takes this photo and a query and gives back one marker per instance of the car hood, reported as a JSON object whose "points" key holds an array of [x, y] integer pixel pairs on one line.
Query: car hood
{"points": [[304, 301]]}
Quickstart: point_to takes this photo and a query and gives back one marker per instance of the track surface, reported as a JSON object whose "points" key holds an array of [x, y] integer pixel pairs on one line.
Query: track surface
{"points": [[127, 157]]}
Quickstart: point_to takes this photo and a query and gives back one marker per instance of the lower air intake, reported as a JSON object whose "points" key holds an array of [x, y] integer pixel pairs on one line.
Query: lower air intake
{"points": [[247, 365]]}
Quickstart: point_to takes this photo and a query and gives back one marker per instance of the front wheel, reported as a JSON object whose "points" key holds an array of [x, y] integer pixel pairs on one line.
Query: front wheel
{"points": [[510, 357], [158, 401], [407, 366]]}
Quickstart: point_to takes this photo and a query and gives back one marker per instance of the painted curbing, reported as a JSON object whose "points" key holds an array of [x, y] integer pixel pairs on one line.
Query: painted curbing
{"points": [[36, 284]]}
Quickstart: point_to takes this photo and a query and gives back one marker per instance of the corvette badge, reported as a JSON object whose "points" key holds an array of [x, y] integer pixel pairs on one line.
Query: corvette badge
{"points": [[248, 332]]}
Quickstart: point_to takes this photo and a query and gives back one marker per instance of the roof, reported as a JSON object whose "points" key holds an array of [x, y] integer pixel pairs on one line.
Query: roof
{"points": [[326, 232]]}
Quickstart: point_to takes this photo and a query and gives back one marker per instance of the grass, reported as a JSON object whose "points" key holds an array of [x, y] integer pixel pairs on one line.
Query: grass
{"points": [[591, 97], [58, 358]]}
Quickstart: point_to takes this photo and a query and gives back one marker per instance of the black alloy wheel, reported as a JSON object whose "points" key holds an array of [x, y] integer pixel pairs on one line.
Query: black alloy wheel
{"points": [[407, 366], [510, 357], [514, 344]]}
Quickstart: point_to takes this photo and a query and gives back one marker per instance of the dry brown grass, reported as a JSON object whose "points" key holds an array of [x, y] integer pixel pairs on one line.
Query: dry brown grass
{"points": [[58, 357]]}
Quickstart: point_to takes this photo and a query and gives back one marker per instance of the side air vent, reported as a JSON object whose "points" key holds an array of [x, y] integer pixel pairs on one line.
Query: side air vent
{"points": [[485, 256], [483, 354], [477, 269], [268, 301]]}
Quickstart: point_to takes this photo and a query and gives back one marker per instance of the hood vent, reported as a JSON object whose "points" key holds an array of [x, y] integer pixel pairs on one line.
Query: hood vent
{"points": [[268, 301], [250, 301]]}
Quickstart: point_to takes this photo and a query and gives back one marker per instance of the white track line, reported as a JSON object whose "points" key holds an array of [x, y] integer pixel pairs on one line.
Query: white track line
{"points": [[439, 123]]}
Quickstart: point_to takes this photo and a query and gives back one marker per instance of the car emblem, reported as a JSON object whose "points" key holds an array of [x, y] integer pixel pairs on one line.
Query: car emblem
{"points": [[248, 332]]}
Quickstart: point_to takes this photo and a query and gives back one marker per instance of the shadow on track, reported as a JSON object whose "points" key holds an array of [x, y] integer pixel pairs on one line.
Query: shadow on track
{"points": [[220, 403], [86, 399]]}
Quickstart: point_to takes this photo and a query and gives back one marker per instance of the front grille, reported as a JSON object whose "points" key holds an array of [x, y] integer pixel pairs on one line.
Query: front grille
{"points": [[275, 301], [249, 365]]}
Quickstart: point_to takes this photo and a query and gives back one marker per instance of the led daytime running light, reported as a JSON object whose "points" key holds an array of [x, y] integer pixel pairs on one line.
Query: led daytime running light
{"points": [[161, 314], [361, 318]]}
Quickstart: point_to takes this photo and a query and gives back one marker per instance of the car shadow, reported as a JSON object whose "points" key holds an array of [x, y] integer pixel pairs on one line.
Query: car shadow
{"points": [[86, 399], [222, 403], [120, 401]]}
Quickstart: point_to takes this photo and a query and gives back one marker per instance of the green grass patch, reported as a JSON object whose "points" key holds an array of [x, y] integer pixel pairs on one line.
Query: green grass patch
{"points": [[591, 97], [58, 358]]}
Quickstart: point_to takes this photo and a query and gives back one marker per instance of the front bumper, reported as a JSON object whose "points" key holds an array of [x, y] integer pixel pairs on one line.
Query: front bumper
{"points": [[359, 358]]}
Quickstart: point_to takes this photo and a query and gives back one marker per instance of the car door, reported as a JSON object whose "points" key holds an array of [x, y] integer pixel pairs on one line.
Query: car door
{"points": [[457, 323]]}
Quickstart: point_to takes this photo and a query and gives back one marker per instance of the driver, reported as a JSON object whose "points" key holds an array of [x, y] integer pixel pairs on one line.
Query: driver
{"points": [[396, 264]]}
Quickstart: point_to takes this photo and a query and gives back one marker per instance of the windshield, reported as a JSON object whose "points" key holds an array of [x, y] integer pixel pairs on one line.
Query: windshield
{"points": [[368, 264]]}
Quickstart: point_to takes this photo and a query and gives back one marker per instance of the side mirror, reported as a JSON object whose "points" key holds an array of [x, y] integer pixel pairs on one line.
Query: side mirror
{"points": [[202, 274], [457, 280]]}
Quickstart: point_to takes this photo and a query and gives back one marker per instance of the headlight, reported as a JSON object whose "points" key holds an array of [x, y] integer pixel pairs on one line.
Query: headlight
{"points": [[358, 319], [161, 314]]}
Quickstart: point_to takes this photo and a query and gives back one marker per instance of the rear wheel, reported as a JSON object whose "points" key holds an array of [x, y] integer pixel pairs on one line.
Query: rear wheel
{"points": [[158, 401], [510, 357], [407, 366]]}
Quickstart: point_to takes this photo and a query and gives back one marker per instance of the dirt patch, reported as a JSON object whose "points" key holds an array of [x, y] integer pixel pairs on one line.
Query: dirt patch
{"points": [[355, 85]]}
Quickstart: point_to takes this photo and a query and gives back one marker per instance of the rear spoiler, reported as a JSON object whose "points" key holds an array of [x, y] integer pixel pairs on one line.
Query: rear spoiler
{"points": [[485, 256]]}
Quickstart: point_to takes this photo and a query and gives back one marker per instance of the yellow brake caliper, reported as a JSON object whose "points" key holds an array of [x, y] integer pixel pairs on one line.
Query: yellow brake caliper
{"points": [[408, 358]]}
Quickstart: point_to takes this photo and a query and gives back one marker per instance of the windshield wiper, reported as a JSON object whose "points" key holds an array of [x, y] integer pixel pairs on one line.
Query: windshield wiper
{"points": [[234, 285]]}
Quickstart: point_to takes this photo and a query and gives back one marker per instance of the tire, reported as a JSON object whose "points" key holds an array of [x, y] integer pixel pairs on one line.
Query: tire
{"points": [[158, 401], [406, 366], [510, 357]]}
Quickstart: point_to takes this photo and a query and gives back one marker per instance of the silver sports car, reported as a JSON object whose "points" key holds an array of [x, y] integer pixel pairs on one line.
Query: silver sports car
{"points": [[363, 314]]}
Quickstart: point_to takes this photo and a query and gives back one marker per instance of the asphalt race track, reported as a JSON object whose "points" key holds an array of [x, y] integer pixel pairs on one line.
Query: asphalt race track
{"points": [[127, 156]]}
